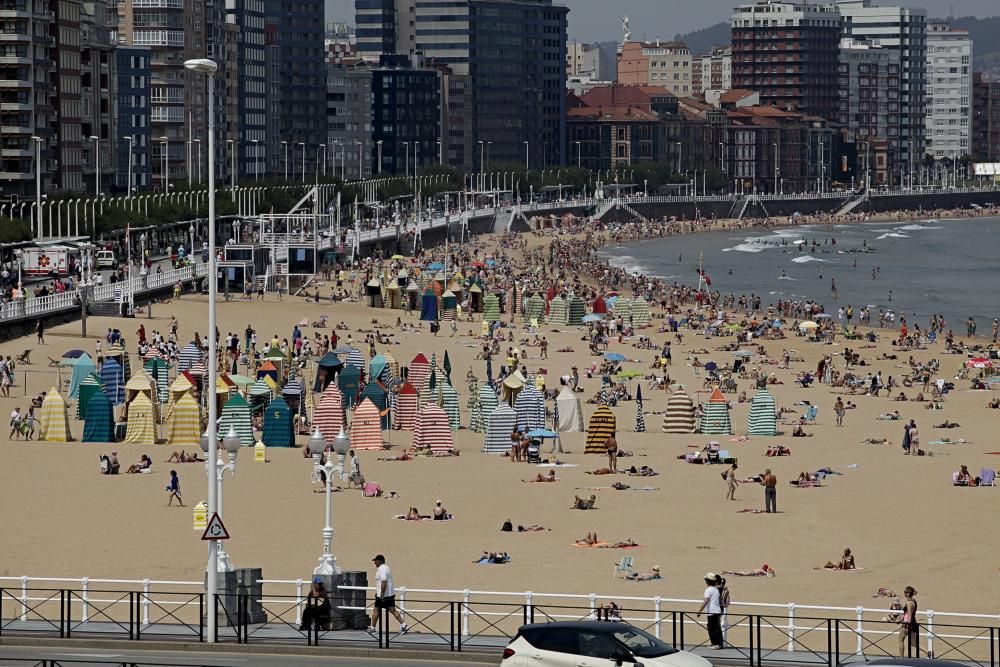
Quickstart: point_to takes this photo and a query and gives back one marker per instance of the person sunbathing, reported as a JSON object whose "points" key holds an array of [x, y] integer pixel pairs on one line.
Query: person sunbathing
{"points": [[581, 504], [492, 558], [964, 478], [764, 570], [799, 432], [600, 471], [533, 528], [413, 514], [846, 562], [645, 576], [875, 441], [145, 463], [777, 450], [642, 471], [901, 396], [947, 424], [551, 477], [589, 540], [622, 544], [805, 481], [402, 456], [183, 457], [890, 416]]}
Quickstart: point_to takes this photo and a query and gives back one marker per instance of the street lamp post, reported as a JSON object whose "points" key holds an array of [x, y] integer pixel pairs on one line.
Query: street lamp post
{"points": [[526, 168], [579, 159], [232, 167], [209, 68], [341, 444], [285, 144], [360, 154], [406, 171], [232, 445], [128, 186], [482, 162], [97, 164], [165, 144], [378, 169], [38, 183], [198, 142], [256, 157], [323, 147]]}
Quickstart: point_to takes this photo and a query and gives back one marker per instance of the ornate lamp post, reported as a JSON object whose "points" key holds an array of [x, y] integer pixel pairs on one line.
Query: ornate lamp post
{"points": [[341, 444]]}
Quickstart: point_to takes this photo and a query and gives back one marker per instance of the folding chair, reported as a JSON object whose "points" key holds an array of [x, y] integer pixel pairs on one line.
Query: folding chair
{"points": [[811, 413], [622, 567], [24, 357]]}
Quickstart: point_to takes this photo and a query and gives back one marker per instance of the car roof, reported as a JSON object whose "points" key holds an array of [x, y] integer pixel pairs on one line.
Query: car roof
{"points": [[598, 626]]}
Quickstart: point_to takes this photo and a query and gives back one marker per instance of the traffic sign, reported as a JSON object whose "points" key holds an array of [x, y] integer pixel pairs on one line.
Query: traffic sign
{"points": [[215, 530]]}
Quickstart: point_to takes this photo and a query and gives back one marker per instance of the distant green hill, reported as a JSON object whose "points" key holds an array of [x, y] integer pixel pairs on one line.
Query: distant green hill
{"points": [[701, 41]]}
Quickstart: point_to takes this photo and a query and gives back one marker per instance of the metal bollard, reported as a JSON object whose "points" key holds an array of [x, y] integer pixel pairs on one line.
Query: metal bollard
{"points": [[930, 633], [84, 606], [529, 609], [658, 620], [466, 595], [791, 627], [593, 607], [298, 602], [860, 631], [145, 601], [24, 598]]}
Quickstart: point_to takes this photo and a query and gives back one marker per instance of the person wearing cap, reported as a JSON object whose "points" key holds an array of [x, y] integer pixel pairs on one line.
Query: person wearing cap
{"points": [[712, 606], [909, 628], [317, 611], [385, 596]]}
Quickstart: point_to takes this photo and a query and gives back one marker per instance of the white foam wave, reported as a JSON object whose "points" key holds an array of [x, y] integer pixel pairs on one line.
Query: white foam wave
{"points": [[916, 228], [787, 278], [807, 259], [892, 235], [750, 246]]}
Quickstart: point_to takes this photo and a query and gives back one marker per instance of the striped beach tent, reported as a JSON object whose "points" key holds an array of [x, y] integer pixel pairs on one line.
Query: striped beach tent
{"points": [[354, 358], [640, 419], [486, 403], [377, 394], [260, 389], [602, 424], [406, 407], [432, 430], [448, 400], [623, 309], [100, 423], [184, 422], [140, 383], [267, 369], [53, 420], [82, 367], [530, 408], [88, 387], [640, 313], [576, 309], [715, 419], [141, 420], [491, 308], [158, 370], [113, 379], [498, 429], [393, 367], [189, 356], [570, 412], [278, 431], [366, 427], [328, 416], [349, 383], [762, 419], [679, 416], [534, 308], [418, 370], [236, 413], [558, 313], [449, 306]]}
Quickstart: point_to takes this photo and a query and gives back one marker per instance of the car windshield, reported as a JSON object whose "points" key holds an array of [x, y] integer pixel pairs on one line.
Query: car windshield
{"points": [[643, 644]]}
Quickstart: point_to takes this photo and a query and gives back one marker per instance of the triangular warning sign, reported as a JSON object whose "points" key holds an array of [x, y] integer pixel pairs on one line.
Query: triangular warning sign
{"points": [[215, 530]]}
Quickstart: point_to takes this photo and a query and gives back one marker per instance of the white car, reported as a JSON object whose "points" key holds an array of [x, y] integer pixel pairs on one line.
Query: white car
{"points": [[593, 644]]}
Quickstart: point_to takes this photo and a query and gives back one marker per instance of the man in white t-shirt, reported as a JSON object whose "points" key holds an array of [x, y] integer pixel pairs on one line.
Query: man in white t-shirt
{"points": [[385, 596], [712, 606]]}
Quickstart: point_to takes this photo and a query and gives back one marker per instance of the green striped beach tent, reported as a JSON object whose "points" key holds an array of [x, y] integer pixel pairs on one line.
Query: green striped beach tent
{"points": [[88, 387], [534, 309], [622, 308], [558, 313], [491, 308], [485, 405], [640, 313], [448, 400], [715, 419], [576, 309], [236, 413], [762, 419], [500, 424]]}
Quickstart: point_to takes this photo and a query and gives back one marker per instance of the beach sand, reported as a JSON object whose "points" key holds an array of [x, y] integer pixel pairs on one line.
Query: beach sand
{"points": [[905, 522]]}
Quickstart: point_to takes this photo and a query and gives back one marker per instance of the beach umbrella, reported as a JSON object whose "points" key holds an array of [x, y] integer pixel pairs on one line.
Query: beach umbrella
{"points": [[979, 362], [711, 366], [808, 325], [100, 423], [715, 419], [530, 408], [570, 414], [366, 426], [615, 356], [602, 424], [498, 429], [435, 266], [328, 416], [278, 430], [447, 366], [236, 413], [762, 419], [184, 422], [74, 354], [591, 318], [432, 430], [141, 428], [640, 420], [680, 414], [541, 433]]}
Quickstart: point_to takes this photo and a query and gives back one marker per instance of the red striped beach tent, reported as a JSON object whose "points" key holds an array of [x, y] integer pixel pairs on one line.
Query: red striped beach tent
{"points": [[433, 430], [406, 407], [419, 369], [366, 427], [329, 414]]}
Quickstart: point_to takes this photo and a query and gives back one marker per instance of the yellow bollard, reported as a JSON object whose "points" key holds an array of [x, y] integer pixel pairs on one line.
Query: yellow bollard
{"points": [[485, 328], [260, 452], [200, 516]]}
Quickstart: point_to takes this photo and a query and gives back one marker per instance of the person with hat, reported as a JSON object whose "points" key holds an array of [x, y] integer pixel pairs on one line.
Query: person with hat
{"points": [[385, 595], [317, 611], [909, 628], [712, 607]]}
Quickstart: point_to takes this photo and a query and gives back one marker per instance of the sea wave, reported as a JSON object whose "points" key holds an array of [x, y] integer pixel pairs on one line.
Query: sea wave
{"points": [[808, 258], [750, 246], [892, 235], [787, 278], [916, 228]]}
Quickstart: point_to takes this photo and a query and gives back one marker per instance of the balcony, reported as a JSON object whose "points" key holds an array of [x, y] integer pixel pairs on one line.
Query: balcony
{"points": [[158, 38]]}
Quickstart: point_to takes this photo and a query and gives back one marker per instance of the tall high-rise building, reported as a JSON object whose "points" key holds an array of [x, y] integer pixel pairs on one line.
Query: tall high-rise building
{"points": [[349, 118], [949, 91], [788, 51], [514, 55], [869, 109], [905, 31], [246, 79], [985, 119], [132, 70]]}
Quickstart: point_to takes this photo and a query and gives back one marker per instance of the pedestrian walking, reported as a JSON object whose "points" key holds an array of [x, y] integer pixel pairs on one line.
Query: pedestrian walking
{"points": [[612, 446], [840, 411], [385, 596], [711, 606], [174, 489], [909, 628], [40, 331], [770, 483], [730, 477]]}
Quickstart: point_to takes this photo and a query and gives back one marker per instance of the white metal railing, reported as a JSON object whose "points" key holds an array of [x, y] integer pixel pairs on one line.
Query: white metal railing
{"points": [[864, 623]]}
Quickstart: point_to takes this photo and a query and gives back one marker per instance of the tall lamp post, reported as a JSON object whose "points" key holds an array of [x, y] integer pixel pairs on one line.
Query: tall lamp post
{"points": [[302, 144], [128, 186], [379, 168], [209, 69], [285, 144], [97, 164], [256, 157], [232, 167], [232, 444], [165, 144], [38, 182], [198, 142], [341, 444]]}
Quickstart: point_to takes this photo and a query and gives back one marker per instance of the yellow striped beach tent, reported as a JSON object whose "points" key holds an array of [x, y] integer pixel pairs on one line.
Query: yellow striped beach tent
{"points": [[141, 420], [184, 422], [140, 383], [53, 420], [491, 308], [602, 424]]}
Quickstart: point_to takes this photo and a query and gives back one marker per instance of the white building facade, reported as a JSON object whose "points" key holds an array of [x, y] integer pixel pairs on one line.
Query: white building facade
{"points": [[949, 91]]}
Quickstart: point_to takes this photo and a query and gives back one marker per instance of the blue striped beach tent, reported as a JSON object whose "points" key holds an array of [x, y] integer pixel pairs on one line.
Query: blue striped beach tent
{"points": [[190, 355], [236, 413], [278, 424], [82, 367], [88, 386], [113, 378], [530, 408], [99, 425], [498, 429]]}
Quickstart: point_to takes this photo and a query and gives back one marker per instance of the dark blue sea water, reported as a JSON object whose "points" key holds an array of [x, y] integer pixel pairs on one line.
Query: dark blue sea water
{"points": [[922, 267]]}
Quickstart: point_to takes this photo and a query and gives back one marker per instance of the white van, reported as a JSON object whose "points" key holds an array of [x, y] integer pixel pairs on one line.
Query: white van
{"points": [[105, 259]]}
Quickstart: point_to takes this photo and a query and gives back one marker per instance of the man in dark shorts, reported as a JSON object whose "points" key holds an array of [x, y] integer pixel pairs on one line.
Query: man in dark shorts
{"points": [[385, 596]]}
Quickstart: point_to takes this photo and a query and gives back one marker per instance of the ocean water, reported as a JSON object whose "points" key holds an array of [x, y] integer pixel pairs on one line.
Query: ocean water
{"points": [[922, 267]]}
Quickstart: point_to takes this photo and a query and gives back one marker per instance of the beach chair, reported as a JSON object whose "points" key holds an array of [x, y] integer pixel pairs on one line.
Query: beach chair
{"points": [[622, 567], [24, 357], [811, 413], [53, 363]]}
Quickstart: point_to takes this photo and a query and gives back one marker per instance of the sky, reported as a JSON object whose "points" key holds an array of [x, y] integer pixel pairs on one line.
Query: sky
{"points": [[599, 20]]}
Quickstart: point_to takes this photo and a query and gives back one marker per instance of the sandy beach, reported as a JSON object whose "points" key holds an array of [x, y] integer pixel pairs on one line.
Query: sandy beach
{"points": [[902, 517]]}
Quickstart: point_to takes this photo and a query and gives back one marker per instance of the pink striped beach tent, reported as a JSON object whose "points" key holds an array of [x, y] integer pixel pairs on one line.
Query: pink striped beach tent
{"points": [[366, 426], [406, 408], [329, 414], [419, 369], [433, 430]]}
